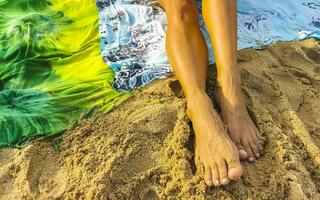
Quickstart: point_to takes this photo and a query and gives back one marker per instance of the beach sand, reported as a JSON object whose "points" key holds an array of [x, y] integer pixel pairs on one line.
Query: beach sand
{"points": [[144, 148]]}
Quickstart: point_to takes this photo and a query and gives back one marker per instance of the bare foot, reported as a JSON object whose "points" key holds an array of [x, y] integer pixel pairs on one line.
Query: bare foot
{"points": [[241, 128], [214, 148]]}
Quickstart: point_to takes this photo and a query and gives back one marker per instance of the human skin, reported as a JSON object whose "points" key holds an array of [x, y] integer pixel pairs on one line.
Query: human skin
{"points": [[218, 149]]}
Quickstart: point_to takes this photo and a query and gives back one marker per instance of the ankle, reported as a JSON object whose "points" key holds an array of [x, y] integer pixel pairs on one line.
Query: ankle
{"points": [[229, 88], [229, 77], [198, 102], [229, 98]]}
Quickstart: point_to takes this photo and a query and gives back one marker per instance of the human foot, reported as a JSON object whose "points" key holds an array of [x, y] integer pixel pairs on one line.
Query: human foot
{"points": [[214, 148], [240, 126]]}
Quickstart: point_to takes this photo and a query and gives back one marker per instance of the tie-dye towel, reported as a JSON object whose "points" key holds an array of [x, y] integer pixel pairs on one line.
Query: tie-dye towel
{"points": [[51, 71], [133, 33]]}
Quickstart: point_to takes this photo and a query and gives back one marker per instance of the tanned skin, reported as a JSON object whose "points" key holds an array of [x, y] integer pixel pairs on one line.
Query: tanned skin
{"points": [[218, 149]]}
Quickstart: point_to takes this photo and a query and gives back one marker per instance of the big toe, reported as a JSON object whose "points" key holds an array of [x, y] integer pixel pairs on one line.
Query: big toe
{"points": [[242, 153], [207, 175], [235, 170]]}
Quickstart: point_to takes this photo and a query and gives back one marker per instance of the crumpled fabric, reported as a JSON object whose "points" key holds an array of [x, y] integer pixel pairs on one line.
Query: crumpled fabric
{"points": [[133, 33], [51, 71]]}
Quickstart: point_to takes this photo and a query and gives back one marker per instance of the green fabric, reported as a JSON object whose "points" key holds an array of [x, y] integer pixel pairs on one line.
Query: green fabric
{"points": [[51, 71]]}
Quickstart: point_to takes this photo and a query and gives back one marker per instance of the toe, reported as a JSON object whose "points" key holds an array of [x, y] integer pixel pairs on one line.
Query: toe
{"points": [[257, 141], [247, 147], [215, 176], [207, 176], [234, 168], [260, 148], [260, 137], [260, 142], [256, 138], [223, 172], [242, 153], [255, 149]]}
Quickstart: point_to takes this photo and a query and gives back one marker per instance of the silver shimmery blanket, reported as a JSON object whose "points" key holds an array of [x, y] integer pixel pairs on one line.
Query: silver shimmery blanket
{"points": [[133, 33]]}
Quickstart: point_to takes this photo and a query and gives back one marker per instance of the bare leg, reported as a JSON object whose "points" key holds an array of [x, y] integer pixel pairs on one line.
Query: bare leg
{"points": [[221, 20], [188, 54]]}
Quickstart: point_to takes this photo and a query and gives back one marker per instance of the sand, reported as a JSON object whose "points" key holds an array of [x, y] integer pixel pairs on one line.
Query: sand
{"points": [[144, 148]]}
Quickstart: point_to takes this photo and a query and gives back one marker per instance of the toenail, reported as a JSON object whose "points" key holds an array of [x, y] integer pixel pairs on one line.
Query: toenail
{"points": [[242, 151], [251, 159], [217, 183], [209, 183], [257, 155], [225, 181]]}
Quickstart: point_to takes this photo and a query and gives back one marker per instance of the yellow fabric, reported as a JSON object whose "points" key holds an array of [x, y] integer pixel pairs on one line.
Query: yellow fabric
{"points": [[51, 71]]}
